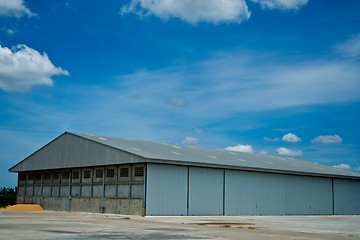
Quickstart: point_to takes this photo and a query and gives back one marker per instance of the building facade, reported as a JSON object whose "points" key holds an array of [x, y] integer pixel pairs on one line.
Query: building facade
{"points": [[88, 173]]}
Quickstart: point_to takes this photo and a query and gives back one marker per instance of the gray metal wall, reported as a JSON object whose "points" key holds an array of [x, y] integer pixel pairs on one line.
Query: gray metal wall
{"points": [[308, 195], [206, 186], [166, 192], [346, 196], [250, 193], [181, 190]]}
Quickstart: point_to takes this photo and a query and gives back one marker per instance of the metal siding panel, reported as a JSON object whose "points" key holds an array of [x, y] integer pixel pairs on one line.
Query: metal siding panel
{"points": [[206, 191], [308, 195], [123, 191], [55, 191], [47, 191], [86, 191], [37, 191], [75, 191], [29, 191], [137, 191], [251, 193], [64, 191], [346, 196], [110, 191], [97, 191], [166, 192], [21, 191]]}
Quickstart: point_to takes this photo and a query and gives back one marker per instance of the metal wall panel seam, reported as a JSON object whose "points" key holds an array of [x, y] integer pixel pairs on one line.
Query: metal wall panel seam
{"points": [[224, 193], [68, 207], [187, 194]]}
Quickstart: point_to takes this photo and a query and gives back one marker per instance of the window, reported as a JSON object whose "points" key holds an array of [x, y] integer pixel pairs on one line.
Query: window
{"points": [[75, 175], [139, 171], [87, 173], [110, 173], [22, 176], [47, 176], [99, 173], [30, 176], [65, 175], [124, 172], [56, 175], [37, 176]]}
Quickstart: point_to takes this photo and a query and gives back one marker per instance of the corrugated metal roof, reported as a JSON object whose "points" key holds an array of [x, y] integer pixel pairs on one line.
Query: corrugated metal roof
{"points": [[174, 153]]}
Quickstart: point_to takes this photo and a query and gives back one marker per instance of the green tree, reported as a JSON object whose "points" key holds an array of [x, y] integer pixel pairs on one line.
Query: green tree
{"points": [[7, 196]]}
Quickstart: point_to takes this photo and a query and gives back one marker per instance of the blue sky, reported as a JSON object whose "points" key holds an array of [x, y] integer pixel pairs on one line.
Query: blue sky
{"points": [[266, 76]]}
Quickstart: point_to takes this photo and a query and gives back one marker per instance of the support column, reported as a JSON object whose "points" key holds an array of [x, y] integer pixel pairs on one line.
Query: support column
{"points": [[103, 192], [333, 199], [41, 189], [145, 185]]}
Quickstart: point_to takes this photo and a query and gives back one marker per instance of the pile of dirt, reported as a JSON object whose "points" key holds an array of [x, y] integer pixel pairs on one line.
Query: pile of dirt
{"points": [[23, 207]]}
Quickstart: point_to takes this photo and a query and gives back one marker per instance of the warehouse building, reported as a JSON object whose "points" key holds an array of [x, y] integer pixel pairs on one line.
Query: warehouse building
{"points": [[88, 173]]}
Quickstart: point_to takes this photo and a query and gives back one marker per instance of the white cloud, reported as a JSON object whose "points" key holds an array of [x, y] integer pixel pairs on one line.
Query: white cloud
{"points": [[190, 140], [197, 131], [10, 31], [288, 152], [176, 101], [271, 139], [350, 48], [25, 67], [291, 138], [240, 148], [14, 8], [281, 4], [263, 152], [192, 11], [343, 166], [326, 139]]}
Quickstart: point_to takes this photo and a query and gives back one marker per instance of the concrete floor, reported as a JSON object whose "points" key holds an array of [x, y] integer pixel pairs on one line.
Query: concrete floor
{"points": [[63, 225]]}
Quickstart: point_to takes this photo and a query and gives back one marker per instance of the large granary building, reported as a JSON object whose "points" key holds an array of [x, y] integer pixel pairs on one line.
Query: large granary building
{"points": [[88, 173]]}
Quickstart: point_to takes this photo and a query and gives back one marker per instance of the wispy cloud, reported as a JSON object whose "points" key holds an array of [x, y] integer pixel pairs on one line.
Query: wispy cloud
{"points": [[291, 138], [271, 139], [240, 148], [350, 48], [343, 166], [281, 4], [288, 152], [197, 131], [25, 67], [235, 82], [326, 139], [190, 140], [176, 101], [14, 8]]}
